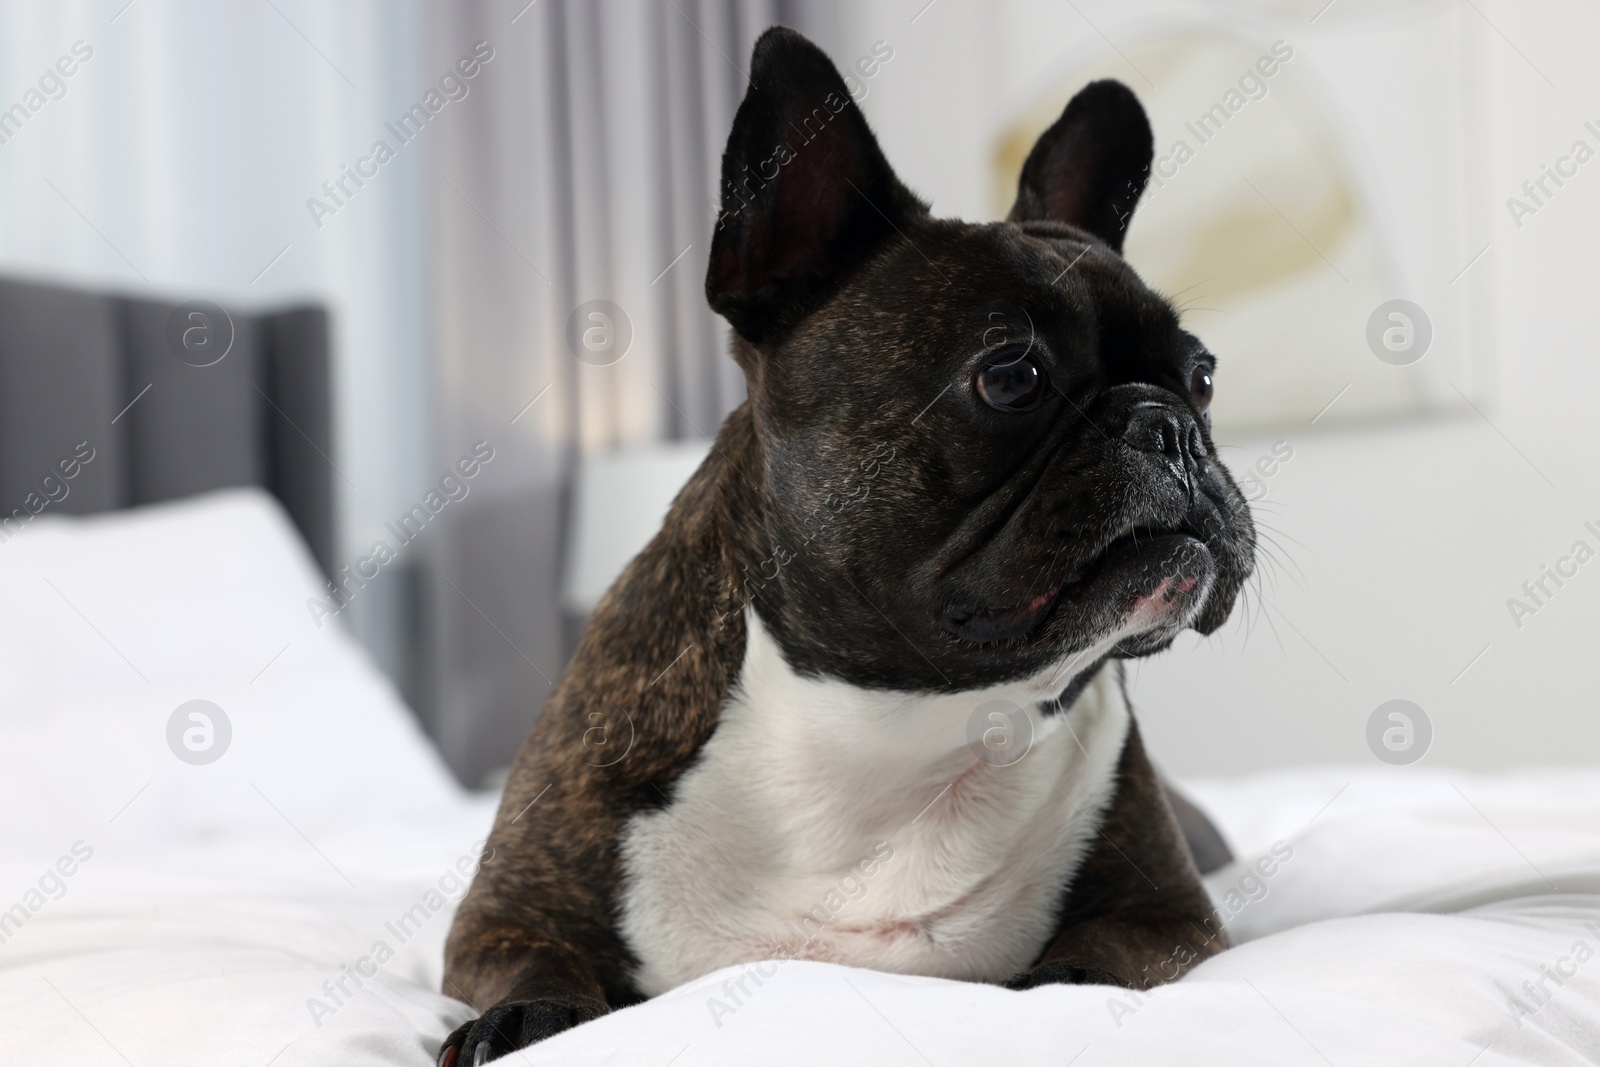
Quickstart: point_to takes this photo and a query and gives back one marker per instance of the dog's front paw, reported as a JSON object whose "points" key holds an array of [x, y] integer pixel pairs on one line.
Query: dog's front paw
{"points": [[1056, 972], [516, 1024]]}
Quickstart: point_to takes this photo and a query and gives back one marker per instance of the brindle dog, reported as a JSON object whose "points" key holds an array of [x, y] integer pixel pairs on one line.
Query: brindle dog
{"points": [[859, 699]]}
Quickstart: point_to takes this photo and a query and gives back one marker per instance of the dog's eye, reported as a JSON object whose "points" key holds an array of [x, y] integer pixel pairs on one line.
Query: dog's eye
{"points": [[1200, 389], [1014, 384]]}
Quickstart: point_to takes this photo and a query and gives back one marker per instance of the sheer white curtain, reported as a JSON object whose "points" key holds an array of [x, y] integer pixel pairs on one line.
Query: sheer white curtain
{"points": [[584, 168]]}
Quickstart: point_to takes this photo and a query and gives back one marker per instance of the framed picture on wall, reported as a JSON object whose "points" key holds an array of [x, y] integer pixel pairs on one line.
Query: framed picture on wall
{"points": [[1321, 236]]}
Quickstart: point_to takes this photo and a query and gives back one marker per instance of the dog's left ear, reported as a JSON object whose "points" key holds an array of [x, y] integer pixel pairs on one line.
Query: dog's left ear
{"points": [[1091, 166], [806, 191]]}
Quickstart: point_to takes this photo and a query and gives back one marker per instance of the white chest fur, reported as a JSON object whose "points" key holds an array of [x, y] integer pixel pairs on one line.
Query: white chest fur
{"points": [[826, 822]]}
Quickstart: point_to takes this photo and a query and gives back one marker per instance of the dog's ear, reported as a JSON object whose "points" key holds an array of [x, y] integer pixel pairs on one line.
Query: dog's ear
{"points": [[806, 191], [1090, 167]]}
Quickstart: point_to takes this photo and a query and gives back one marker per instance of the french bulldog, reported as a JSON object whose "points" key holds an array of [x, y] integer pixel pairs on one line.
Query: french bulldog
{"points": [[861, 698]]}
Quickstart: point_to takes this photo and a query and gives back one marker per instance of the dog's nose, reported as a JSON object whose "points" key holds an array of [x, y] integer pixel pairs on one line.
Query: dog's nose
{"points": [[1160, 429]]}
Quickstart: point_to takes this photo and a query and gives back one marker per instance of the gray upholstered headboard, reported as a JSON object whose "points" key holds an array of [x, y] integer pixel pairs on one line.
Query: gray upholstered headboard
{"points": [[122, 374]]}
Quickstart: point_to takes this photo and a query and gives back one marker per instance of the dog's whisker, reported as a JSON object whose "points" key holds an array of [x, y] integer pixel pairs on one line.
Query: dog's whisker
{"points": [[1268, 545]]}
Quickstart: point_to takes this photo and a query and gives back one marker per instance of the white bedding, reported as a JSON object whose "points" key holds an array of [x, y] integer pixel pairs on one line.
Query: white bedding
{"points": [[218, 900]]}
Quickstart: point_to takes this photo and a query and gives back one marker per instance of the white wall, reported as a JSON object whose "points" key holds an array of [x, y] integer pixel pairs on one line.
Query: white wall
{"points": [[1398, 545], [1415, 537]]}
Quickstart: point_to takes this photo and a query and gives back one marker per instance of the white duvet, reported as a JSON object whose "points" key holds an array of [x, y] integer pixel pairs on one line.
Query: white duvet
{"points": [[286, 904]]}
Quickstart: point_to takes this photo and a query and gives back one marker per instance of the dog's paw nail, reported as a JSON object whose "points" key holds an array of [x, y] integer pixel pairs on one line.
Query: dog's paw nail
{"points": [[448, 1056], [480, 1056]]}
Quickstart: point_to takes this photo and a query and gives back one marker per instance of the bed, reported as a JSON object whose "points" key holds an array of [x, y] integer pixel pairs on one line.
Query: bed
{"points": [[285, 902]]}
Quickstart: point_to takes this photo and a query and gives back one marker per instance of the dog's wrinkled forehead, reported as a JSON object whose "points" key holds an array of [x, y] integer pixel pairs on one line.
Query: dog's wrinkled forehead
{"points": [[915, 315]]}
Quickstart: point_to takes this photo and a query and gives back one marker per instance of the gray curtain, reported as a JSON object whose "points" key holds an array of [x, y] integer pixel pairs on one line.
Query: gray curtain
{"points": [[581, 167]]}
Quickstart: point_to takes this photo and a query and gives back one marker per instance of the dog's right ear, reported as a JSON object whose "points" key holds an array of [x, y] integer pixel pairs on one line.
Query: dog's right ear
{"points": [[806, 191]]}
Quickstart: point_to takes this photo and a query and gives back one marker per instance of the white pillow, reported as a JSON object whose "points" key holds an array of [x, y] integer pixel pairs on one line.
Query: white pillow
{"points": [[108, 624]]}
